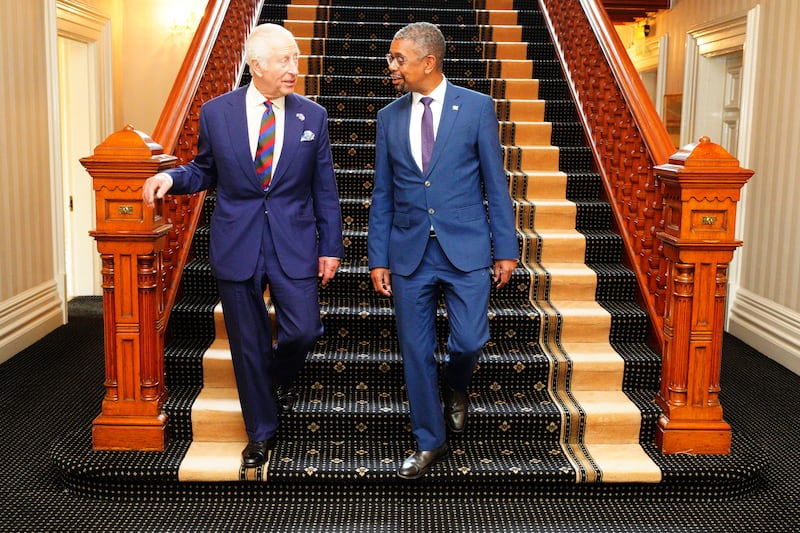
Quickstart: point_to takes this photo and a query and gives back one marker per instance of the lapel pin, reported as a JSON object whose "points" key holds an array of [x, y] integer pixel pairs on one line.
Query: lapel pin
{"points": [[455, 108], [300, 116]]}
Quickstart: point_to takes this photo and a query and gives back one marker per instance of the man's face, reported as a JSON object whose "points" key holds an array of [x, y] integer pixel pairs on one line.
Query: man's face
{"points": [[276, 75], [407, 69]]}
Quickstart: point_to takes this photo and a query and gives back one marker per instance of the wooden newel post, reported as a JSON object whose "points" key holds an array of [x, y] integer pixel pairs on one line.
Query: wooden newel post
{"points": [[130, 238], [701, 185]]}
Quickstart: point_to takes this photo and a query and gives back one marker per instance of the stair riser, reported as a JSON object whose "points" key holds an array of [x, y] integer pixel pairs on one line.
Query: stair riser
{"points": [[489, 380], [380, 86], [375, 65], [537, 51], [229, 427]]}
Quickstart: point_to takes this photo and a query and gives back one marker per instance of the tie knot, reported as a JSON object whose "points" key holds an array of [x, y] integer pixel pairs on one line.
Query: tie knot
{"points": [[268, 104], [426, 100]]}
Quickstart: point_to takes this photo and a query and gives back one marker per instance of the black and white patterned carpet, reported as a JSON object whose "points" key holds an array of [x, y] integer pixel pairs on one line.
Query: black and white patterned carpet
{"points": [[49, 393], [55, 387]]}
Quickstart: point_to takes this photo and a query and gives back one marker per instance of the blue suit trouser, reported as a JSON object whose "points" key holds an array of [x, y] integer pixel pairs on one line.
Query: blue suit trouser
{"points": [[416, 301], [257, 364]]}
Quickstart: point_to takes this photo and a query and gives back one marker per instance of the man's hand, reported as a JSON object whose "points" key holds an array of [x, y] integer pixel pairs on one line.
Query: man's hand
{"points": [[381, 281], [327, 269], [503, 268], [155, 188]]}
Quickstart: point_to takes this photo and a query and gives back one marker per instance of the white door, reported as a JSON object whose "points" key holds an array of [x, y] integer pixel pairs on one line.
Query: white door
{"points": [[78, 88], [719, 100], [732, 103]]}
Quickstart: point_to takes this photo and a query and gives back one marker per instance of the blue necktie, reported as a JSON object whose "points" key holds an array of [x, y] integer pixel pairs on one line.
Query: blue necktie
{"points": [[427, 133]]}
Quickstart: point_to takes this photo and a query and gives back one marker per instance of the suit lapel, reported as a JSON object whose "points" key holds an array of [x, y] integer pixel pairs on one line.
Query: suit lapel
{"points": [[293, 125], [403, 125], [237, 130], [450, 110]]}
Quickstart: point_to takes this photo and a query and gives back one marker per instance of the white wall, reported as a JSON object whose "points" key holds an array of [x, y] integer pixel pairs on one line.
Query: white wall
{"points": [[31, 280]]}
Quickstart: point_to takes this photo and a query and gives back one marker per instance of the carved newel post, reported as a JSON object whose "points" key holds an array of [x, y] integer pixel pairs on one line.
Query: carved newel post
{"points": [[701, 185], [130, 238]]}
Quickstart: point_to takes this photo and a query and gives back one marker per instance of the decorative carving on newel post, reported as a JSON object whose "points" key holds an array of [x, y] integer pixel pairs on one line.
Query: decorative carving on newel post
{"points": [[130, 239], [701, 186]]}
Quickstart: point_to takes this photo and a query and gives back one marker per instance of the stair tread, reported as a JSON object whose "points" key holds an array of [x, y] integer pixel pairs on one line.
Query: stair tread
{"points": [[349, 460]]}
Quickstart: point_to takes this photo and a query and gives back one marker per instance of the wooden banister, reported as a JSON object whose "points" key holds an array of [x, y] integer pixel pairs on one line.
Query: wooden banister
{"points": [[625, 134], [630, 145]]}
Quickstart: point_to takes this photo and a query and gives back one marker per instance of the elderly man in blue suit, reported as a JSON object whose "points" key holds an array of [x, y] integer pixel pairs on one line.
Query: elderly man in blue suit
{"points": [[276, 223], [438, 166]]}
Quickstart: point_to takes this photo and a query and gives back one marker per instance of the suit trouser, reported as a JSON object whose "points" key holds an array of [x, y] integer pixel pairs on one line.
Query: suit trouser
{"points": [[416, 300], [257, 365]]}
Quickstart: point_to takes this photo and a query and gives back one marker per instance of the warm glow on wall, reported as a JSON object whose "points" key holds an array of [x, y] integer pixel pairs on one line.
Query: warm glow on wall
{"points": [[181, 17]]}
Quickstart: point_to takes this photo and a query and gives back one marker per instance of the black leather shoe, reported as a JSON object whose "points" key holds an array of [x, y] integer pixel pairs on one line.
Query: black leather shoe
{"points": [[418, 463], [285, 397], [455, 408], [255, 453]]}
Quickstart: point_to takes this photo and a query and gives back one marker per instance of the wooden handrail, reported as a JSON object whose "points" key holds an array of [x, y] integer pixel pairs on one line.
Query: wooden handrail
{"points": [[625, 134], [188, 78], [656, 138]]}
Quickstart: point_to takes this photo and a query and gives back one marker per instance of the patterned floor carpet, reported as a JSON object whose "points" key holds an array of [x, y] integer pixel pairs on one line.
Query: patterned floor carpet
{"points": [[55, 387], [351, 400]]}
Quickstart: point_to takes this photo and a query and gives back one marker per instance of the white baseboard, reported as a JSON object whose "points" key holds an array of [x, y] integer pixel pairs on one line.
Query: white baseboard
{"points": [[29, 316], [770, 328]]}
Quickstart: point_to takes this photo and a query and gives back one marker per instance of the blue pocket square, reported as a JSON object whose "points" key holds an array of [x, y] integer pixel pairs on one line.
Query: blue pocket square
{"points": [[308, 135]]}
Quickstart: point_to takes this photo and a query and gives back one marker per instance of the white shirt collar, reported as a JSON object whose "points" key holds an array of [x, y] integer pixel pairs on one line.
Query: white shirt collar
{"points": [[437, 94], [254, 98]]}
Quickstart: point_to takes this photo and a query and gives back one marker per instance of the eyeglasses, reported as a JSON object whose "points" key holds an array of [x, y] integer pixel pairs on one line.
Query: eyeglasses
{"points": [[401, 60]]}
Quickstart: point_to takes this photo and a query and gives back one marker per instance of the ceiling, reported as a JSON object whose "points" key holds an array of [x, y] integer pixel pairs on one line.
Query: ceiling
{"points": [[629, 10]]}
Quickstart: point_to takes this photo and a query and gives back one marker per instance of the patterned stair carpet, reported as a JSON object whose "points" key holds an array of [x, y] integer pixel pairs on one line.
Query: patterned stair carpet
{"points": [[562, 400]]}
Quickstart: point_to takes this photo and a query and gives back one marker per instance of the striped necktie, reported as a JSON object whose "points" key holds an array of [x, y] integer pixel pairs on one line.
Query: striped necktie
{"points": [[266, 146]]}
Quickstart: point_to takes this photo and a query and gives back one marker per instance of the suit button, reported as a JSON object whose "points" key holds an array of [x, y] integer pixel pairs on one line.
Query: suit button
{"points": [[431, 211], [427, 183]]}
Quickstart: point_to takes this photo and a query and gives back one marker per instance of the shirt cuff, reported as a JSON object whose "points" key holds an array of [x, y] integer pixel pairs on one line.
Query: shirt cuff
{"points": [[165, 175]]}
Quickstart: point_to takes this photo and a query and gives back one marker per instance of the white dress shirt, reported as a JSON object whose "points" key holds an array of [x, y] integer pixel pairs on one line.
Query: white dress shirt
{"points": [[254, 103], [417, 107]]}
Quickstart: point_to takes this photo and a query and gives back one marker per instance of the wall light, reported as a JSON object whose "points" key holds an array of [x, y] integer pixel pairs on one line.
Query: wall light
{"points": [[181, 18]]}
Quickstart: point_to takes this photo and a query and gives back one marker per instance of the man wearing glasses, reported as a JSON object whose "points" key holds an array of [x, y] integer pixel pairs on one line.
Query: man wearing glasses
{"points": [[438, 161]]}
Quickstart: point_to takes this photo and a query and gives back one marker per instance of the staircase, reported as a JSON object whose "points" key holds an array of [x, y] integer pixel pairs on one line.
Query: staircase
{"points": [[561, 402]]}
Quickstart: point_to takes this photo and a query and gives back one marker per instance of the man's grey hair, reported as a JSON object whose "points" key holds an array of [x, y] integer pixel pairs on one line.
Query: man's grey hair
{"points": [[258, 46], [427, 37]]}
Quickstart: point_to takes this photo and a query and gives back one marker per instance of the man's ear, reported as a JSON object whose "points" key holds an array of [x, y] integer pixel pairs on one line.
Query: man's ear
{"points": [[430, 63]]}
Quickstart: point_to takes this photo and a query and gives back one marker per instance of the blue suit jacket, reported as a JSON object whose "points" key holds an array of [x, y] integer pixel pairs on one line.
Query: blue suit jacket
{"points": [[302, 202], [466, 167]]}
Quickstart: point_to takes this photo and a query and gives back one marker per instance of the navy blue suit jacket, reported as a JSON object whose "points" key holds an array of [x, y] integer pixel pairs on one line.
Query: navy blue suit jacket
{"points": [[466, 167], [302, 203]]}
